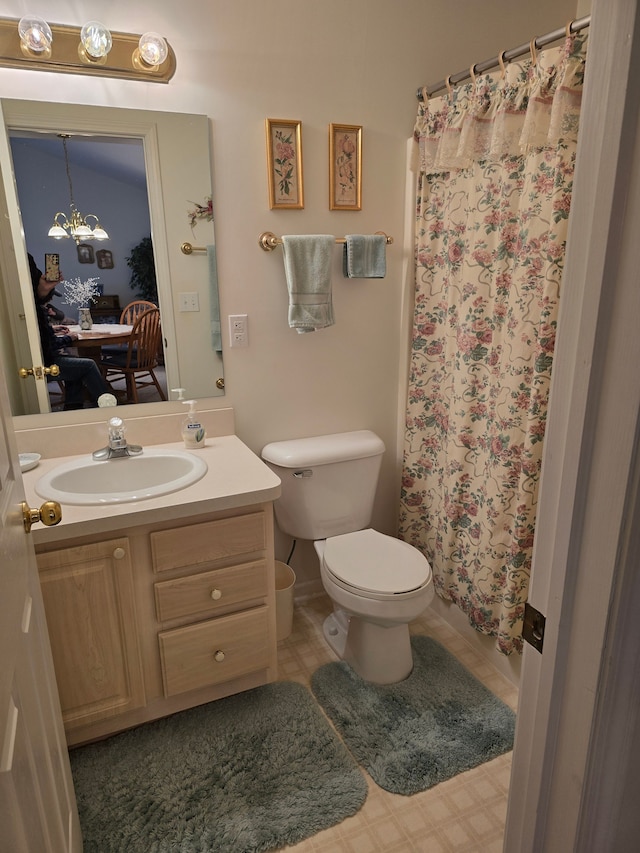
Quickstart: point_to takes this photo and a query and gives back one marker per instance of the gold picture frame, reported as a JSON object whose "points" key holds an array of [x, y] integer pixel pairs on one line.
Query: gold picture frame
{"points": [[345, 167], [284, 164]]}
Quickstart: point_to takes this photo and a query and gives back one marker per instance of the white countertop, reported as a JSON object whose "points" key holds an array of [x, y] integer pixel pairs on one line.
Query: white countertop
{"points": [[235, 477]]}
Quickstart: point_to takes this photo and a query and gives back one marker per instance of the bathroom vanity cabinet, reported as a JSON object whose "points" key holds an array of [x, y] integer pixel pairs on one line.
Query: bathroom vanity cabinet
{"points": [[157, 618]]}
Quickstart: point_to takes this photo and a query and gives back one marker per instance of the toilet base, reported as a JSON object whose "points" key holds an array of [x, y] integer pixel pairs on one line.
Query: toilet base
{"points": [[335, 629], [380, 654]]}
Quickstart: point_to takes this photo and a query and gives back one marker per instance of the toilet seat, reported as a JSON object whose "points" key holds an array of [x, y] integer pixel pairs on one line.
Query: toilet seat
{"points": [[374, 564]]}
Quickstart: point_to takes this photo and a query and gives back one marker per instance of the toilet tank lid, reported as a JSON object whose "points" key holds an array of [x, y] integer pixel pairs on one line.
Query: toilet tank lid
{"points": [[323, 449]]}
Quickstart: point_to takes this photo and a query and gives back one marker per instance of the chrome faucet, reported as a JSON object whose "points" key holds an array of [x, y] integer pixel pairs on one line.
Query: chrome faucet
{"points": [[117, 447]]}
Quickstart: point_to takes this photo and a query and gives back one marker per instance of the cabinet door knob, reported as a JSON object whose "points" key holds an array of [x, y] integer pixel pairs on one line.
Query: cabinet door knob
{"points": [[118, 553], [219, 656], [216, 594]]}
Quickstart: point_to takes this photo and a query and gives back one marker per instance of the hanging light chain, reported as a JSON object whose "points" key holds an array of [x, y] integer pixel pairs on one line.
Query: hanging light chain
{"points": [[64, 137]]}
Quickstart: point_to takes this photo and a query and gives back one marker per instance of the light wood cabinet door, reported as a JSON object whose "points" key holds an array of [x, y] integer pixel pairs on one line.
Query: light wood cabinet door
{"points": [[89, 602]]}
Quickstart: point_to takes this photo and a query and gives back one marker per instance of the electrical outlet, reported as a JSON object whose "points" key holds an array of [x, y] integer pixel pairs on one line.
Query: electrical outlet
{"points": [[238, 330], [189, 302]]}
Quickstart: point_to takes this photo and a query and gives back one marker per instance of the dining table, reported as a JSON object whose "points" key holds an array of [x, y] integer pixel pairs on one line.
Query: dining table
{"points": [[90, 341]]}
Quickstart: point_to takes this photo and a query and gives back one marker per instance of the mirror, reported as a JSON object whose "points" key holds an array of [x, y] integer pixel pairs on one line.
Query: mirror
{"points": [[143, 174]]}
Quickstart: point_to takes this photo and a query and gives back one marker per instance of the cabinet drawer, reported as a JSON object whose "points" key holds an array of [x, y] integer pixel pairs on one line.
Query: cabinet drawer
{"points": [[210, 591], [189, 655], [208, 541]]}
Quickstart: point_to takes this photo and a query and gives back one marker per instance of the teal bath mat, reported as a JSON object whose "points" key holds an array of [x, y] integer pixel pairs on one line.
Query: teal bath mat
{"points": [[412, 735], [250, 772]]}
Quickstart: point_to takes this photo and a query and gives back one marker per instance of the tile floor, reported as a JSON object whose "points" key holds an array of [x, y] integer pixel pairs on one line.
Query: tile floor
{"points": [[465, 814]]}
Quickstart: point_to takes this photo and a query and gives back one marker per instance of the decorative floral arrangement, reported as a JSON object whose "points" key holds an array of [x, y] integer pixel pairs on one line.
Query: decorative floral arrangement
{"points": [[201, 211], [285, 161], [80, 293], [345, 147]]}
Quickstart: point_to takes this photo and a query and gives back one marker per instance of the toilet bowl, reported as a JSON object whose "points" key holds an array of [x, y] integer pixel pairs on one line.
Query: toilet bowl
{"points": [[378, 584]]}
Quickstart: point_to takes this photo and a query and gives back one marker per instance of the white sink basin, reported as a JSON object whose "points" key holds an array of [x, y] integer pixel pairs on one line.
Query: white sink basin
{"points": [[131, 478]]}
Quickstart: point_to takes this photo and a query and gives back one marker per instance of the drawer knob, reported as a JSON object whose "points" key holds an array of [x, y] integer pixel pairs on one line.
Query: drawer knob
{"points": [[118, 553], [219, 656], [216, 594]]}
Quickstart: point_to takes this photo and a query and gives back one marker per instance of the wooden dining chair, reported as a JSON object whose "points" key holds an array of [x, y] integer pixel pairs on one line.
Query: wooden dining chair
{"points": [[127, 318], [133, 309], [137, 362], [56, 390]]}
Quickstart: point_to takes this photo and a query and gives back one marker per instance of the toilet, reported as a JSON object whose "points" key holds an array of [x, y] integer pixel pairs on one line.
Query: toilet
{"points": [[378, 584]]}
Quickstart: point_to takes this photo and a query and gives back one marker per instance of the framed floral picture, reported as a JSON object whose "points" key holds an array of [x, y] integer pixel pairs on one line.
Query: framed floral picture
{"points": [[284, 164], [345, 167]]}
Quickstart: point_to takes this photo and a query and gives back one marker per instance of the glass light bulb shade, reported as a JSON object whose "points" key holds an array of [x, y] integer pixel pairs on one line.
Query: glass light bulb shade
{"points": [[57, 232], [82, 231], [96, 39], [35, 33], [153, 48], [99, 233]]}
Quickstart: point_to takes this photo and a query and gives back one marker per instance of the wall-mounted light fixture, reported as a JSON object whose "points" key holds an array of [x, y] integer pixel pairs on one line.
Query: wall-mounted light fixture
{"points": [[92, 49]]}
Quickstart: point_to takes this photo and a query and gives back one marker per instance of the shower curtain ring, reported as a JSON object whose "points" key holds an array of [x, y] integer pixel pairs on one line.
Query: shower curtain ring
{"points": [[449, 89], [533, 51], [501, 62]]}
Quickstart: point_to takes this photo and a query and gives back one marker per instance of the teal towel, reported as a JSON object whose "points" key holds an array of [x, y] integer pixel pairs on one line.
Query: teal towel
{"points": [[307, 264], [365, 256], [216, 333]]}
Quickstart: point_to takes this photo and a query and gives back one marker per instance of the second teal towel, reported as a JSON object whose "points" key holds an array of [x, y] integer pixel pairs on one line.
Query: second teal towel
{"points": [[365, 256]]}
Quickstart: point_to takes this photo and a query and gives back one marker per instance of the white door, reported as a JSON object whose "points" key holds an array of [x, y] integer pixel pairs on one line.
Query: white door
{"points": [[38, 812], [20, 305], [573, 761]]}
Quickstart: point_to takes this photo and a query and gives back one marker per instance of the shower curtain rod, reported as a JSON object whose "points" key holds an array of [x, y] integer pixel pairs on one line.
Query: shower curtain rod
{"points": [[506, 56]]}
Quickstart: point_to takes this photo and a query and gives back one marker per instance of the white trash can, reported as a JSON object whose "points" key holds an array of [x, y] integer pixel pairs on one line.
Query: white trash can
{"points": [[285, 581]]}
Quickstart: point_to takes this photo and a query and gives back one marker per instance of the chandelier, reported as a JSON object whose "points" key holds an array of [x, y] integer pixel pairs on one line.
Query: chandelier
{"points": [[75, 225]]}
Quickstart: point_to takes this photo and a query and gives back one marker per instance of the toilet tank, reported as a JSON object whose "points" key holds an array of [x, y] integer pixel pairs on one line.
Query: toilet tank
{"points": [[328, 482]]}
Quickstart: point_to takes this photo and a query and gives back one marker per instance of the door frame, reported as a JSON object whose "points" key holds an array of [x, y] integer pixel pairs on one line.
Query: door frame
{"points": [[585, 550]]}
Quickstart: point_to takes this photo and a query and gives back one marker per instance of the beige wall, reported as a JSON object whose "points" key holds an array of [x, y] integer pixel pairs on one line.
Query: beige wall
{"points": [[345, 61]]}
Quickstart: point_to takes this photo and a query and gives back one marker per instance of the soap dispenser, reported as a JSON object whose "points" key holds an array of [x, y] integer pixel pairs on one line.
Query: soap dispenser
{"points": [[192, 430]]}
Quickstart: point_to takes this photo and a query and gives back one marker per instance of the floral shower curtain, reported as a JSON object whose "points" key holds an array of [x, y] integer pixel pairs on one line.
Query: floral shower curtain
{"points": [[496, 159]]}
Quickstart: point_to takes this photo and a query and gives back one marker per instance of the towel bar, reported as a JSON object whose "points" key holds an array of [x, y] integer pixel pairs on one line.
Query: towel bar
{"points": [[268, 241], [188, 249]]}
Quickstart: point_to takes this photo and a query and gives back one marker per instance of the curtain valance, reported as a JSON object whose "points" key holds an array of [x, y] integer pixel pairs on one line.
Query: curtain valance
{"points": [[533, 105]]}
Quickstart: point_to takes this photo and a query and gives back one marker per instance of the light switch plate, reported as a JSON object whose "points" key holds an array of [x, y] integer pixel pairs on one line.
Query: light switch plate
{"points": [[189, 302]]}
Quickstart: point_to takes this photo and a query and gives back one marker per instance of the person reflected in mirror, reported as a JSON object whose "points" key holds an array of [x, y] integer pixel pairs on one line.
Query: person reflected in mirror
{"points": [[56, 315], [81, 376]]}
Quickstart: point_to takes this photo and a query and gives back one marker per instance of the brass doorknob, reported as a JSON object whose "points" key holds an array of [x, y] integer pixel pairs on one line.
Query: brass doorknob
{"points": [[39, 372], [220, 383], [50, 513]]}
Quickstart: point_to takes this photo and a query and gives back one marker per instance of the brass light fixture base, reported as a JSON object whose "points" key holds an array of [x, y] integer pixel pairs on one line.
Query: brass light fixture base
{"points": [[64, 57]]}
